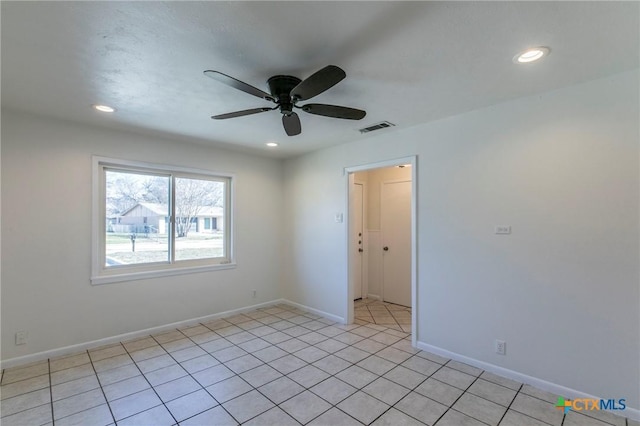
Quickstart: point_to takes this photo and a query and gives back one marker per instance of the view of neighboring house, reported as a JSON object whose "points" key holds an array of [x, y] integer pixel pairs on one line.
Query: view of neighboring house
{"points": [[153, 218]]}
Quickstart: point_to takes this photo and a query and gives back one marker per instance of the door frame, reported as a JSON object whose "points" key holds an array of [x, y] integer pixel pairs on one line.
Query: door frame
{"points": [[365, 240], [347, 172]]}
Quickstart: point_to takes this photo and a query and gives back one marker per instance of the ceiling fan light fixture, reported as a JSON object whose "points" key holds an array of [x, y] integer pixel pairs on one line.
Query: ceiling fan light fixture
{"points": [[103, 108], [531, 55]]}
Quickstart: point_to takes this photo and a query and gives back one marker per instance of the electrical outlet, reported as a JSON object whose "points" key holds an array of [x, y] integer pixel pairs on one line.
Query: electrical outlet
{"points": [[501, 347], [21, 338], [255, 293]]}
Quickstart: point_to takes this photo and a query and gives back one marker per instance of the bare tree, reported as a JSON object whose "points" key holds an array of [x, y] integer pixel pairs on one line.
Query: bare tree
{"points": [[156, 190], [192, 195], [126, 189]]}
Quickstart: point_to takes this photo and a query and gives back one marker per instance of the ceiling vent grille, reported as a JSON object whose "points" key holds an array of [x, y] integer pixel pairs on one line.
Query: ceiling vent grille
{"points": [[377, 126]]}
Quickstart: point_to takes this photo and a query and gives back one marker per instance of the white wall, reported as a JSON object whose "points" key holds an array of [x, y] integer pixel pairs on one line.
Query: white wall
{"points": [[46, 237], [562, 169]]}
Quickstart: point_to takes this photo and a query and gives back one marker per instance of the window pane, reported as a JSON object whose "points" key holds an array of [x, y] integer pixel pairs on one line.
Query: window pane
{"points": [[197, 200], [136, 229]]}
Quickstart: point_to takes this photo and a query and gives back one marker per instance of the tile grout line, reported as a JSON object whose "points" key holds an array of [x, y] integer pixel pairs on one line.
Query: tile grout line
{"points": [[547, 402], [457, 399], [53, 420], [520, 391], [511, 403], [100, 384]]}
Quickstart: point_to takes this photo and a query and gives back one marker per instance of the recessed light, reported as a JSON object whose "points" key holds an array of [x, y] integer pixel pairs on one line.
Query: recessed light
{"points": [[271, 144], [103, 108], [531, 55]]}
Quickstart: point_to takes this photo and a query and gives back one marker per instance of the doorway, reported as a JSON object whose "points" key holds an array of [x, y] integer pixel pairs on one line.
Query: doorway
{"points": [[381, 233]]}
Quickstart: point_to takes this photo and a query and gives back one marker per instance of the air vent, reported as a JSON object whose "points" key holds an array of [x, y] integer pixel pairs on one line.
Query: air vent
{"points": [[378, 126]]}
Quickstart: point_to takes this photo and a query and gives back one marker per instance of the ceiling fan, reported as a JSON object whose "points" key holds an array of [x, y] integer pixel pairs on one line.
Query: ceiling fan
{"points": [[287, 91]]}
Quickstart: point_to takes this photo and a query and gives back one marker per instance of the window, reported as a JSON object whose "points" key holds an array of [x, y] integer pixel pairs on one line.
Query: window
{"points": [[152, 220]]}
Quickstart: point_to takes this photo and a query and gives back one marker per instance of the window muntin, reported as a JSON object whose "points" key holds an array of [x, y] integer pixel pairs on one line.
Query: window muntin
{"points": [[151, 220]]}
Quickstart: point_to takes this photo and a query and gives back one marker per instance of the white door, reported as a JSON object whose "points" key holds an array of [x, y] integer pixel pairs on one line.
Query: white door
{"points": [[357, 241], [395, 224]]}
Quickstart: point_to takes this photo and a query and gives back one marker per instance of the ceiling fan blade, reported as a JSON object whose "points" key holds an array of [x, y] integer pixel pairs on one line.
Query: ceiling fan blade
{"points": [[237, 84], [291, 124], [334, 111], [322, 80], [240, 113]]}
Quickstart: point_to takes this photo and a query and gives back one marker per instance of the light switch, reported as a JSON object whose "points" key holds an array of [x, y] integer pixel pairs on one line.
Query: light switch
{"points": [[338, 218], [503, 229]]}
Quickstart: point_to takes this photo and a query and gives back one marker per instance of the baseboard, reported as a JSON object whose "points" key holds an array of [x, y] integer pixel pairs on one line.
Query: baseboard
{"points": [[631, 413], [315, 311], [68, 350], [374, 297]]}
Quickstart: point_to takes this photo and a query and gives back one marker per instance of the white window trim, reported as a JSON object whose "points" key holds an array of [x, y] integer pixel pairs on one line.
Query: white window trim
{"points": [[102, 275]]}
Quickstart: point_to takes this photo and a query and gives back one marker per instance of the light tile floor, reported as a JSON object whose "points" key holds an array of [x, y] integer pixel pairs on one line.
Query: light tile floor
{"points": [[395, 317], [273, 366]]}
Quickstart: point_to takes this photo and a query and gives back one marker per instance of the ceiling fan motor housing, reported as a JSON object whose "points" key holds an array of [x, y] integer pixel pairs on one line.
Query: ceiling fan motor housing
{"points": [[280, 87]]}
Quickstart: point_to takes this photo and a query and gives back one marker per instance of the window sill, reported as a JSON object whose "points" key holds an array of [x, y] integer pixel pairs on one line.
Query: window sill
{"points": [[143, 275]]}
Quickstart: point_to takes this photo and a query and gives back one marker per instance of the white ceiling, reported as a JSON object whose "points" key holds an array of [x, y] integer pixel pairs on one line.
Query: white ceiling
{"points": [[406, 62]]}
